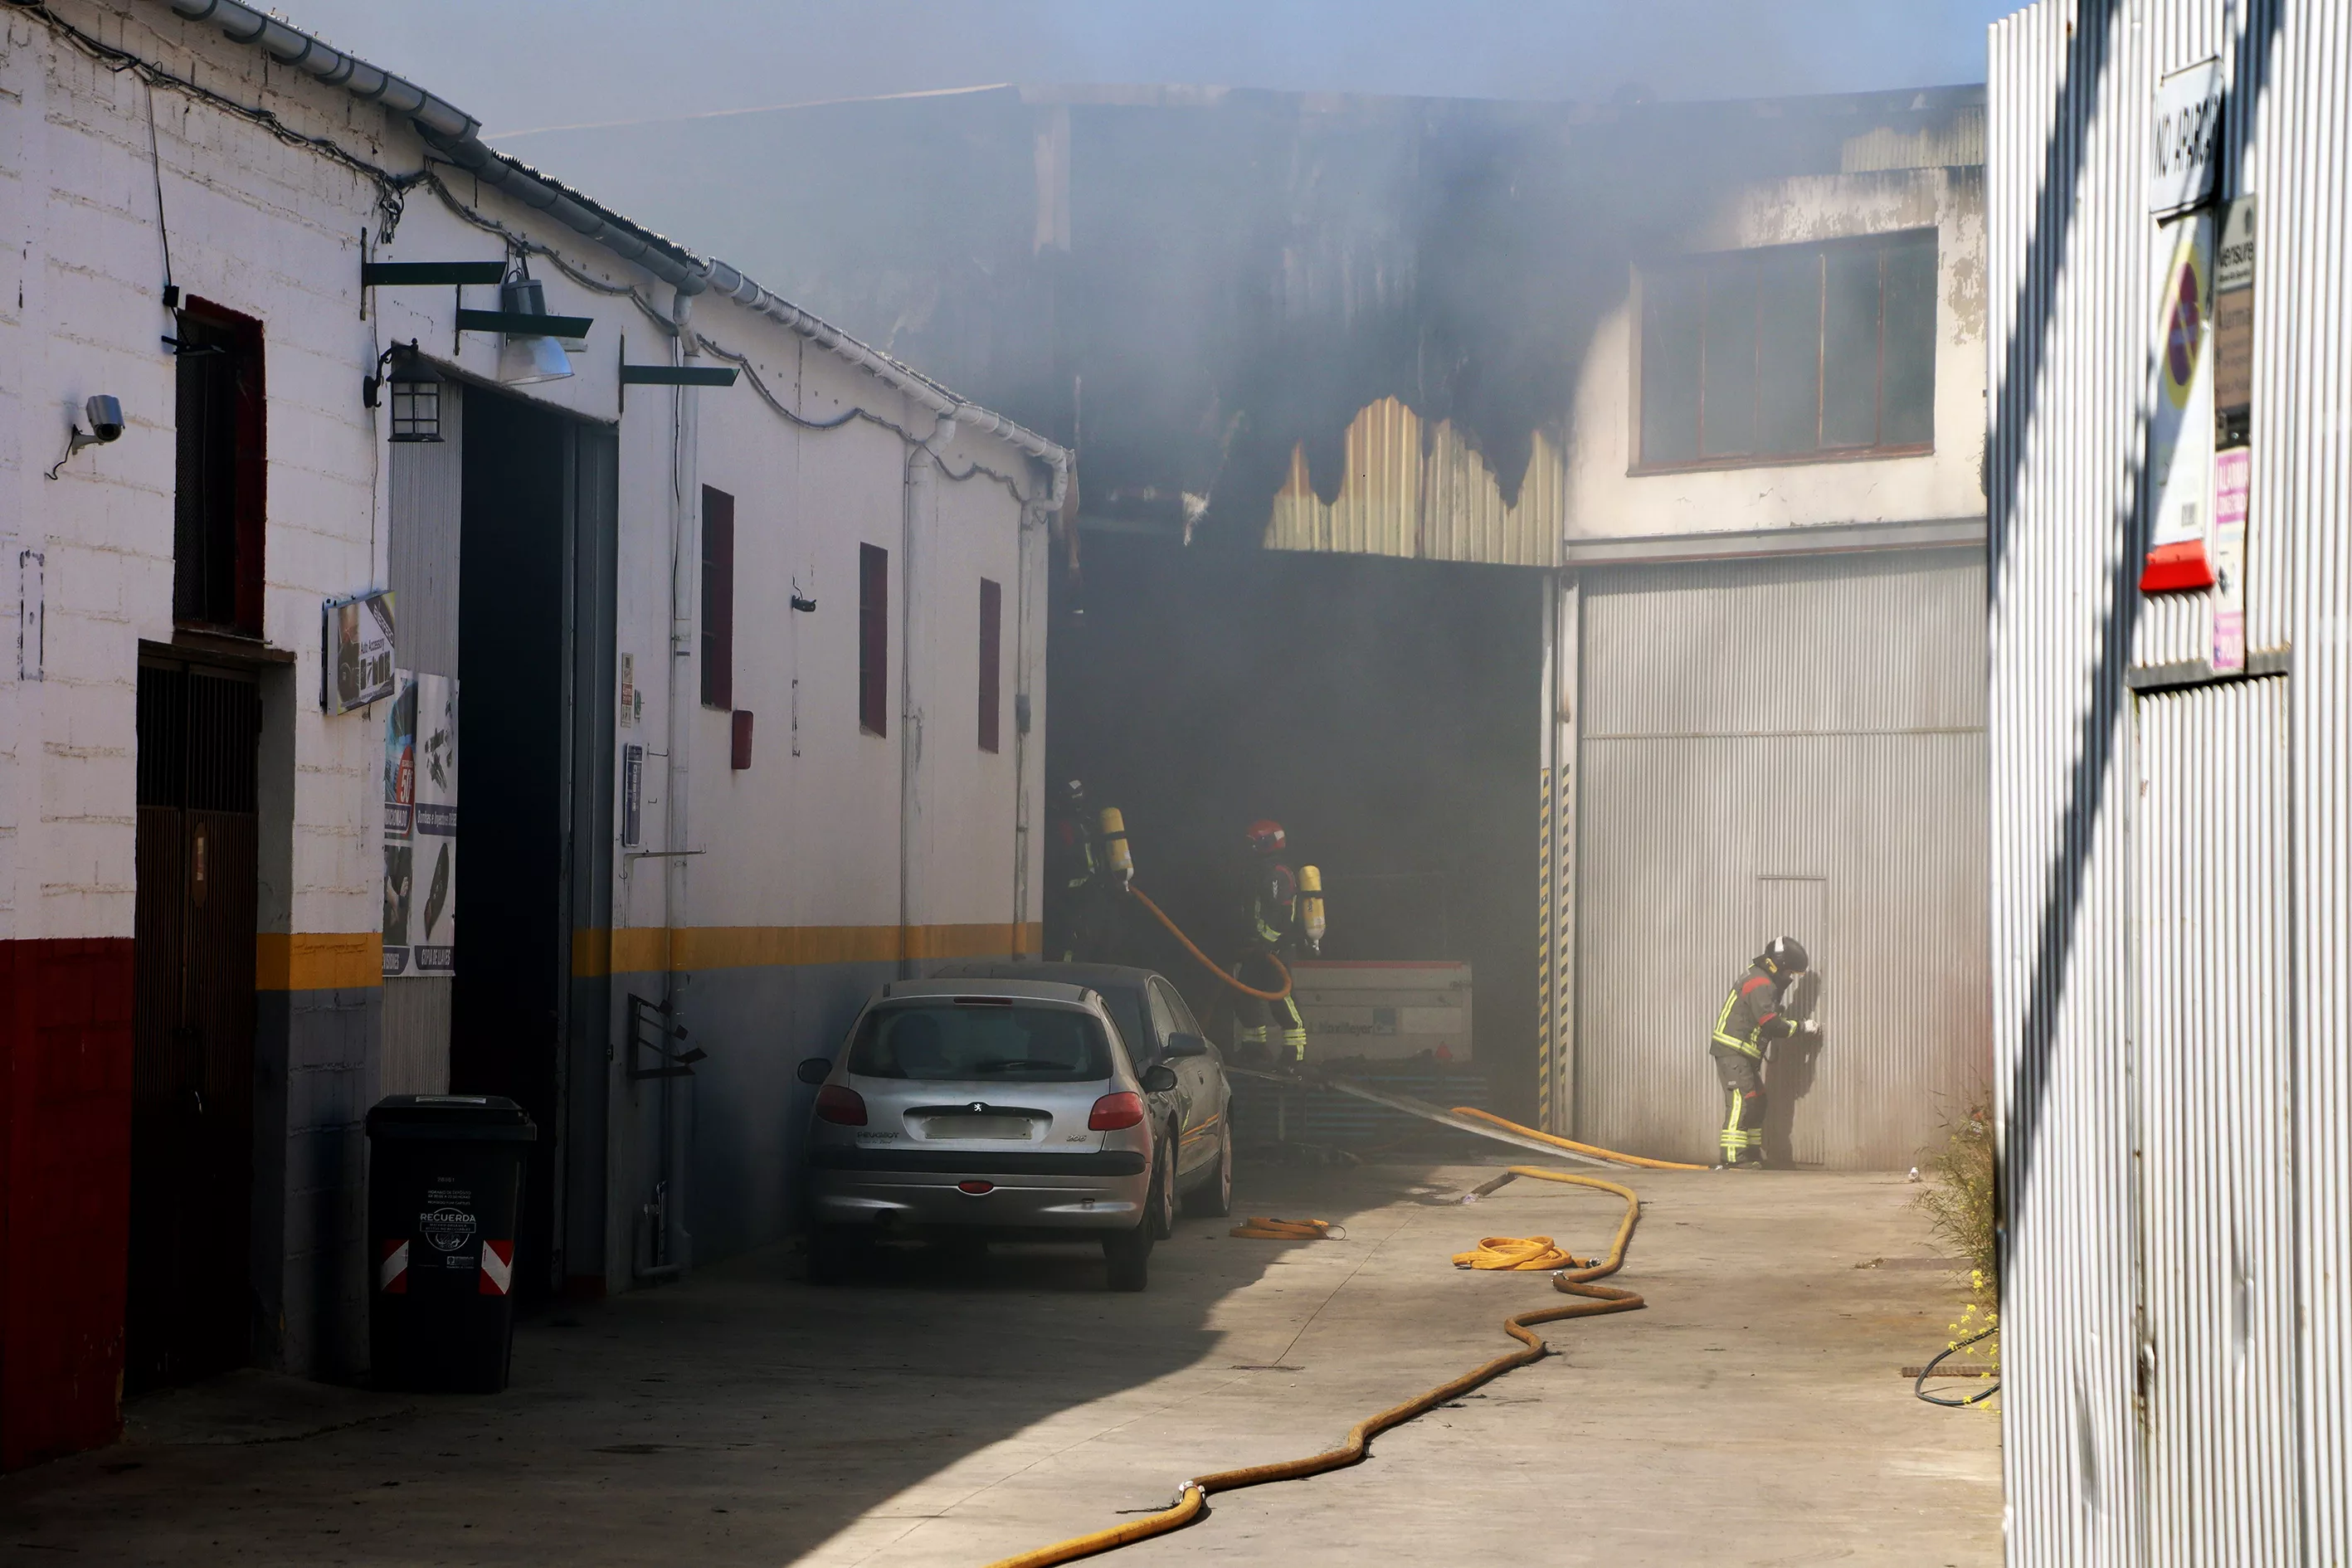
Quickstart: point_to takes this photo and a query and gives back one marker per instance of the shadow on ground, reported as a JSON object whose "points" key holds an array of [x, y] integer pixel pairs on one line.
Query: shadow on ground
{"points": [[740, 1418]]}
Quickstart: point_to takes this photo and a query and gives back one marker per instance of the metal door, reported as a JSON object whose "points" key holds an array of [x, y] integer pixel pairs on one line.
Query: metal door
{"points": [[2213, 1096], [192, 1012]]}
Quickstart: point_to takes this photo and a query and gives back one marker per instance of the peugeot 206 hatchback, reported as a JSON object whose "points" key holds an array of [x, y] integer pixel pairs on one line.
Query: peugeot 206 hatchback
{"points": [[1000, 1109]]}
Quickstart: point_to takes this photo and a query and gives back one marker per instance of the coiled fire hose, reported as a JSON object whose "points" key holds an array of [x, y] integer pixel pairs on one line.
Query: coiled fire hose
{"points": [[1141, 896], [1191, 1499]]}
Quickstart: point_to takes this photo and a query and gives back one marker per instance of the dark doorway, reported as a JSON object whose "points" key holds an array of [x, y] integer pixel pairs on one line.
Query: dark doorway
{"points": [[527, 610], [1387, 713], [192, 1096]]}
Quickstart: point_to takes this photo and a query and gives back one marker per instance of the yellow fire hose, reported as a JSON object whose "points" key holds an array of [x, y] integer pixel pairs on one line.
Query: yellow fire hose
{"points": [[1595, 1151], [1192, 1500], [1210, 963], [1259, 1227]]}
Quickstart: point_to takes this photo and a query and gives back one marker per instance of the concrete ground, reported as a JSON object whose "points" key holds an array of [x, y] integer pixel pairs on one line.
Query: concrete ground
{"points": [[949, 1413]]}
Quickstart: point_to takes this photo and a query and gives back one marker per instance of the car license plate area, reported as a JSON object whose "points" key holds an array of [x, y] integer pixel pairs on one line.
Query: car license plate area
{"points": [[965, 1126]]}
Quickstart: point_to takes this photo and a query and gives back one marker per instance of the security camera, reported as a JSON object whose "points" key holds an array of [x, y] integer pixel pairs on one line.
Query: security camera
{"points": [[105, 417]]}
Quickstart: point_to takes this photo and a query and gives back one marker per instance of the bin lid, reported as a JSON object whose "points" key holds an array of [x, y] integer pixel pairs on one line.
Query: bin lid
{"points": [[436, 1118]]}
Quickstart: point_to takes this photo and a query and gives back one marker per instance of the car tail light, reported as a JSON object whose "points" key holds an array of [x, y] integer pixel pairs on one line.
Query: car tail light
{"points": [[841, 1107], [1113, 1111], [975, 1188]]}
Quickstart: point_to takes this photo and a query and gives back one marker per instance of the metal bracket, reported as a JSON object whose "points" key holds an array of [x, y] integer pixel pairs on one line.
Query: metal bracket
{"points": [[670, 1062]]}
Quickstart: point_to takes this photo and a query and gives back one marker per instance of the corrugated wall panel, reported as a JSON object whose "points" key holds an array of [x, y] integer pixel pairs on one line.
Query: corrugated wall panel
{"points": [[2070, 242], [422, 549], [2214, 1100], [1752, 725]]}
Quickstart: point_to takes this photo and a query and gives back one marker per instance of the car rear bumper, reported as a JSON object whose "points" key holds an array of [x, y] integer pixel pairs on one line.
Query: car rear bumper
{"points": [[894, 1188]]}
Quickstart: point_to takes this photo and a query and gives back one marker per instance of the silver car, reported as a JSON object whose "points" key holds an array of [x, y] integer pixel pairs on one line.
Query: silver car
{"points": [[1007, 1110]]}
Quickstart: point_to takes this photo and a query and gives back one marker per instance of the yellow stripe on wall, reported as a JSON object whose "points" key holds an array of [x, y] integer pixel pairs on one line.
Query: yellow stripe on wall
{"points": [[636, 950], [318, 960]]}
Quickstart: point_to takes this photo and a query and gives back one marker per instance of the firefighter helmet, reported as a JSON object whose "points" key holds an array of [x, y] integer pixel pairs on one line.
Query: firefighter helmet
{"points": [[1074, 794], [1787, 955], [1265, 836]]}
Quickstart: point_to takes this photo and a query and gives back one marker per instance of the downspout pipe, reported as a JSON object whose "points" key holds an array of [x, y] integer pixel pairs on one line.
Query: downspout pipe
{"points": [[1036, 518], [920, 498], [677, 1241]]}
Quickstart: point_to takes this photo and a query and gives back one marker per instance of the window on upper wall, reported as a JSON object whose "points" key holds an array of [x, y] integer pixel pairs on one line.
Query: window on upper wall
{"points": [[992, 650], [1788, 353], [218, 515], [718, 598], [873, 640]]}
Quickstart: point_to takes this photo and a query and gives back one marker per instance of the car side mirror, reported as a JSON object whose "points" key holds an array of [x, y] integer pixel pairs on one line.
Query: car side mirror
{"points": [[1178, 1047], [1157, 1079], [815, 1069]]}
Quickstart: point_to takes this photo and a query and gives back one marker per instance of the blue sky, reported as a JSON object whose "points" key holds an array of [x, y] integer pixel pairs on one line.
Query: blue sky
{"points": [[520, 64]]}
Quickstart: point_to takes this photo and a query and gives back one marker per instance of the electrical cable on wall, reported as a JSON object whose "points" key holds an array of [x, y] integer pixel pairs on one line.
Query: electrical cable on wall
{"points": [[391, 201]]}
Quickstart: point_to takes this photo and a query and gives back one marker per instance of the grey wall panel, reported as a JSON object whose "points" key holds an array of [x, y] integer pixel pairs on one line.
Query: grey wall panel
{"points": [[423, 547], [1716, 798], [415, 1058]]}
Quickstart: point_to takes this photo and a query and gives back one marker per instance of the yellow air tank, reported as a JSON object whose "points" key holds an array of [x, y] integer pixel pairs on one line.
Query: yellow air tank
{"points": [[1114, 837], [1311, 906]]}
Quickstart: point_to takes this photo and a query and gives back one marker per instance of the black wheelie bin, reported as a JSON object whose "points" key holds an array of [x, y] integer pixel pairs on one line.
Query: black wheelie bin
{"points": [[444, 1193]]}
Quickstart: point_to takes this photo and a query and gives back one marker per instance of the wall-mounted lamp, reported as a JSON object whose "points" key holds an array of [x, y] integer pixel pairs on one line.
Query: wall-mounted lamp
{"points": [[524, 360], [105, 417], [416, 392]]}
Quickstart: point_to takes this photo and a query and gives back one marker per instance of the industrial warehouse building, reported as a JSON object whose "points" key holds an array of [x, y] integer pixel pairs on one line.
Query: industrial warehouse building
{"points": [[694, 711], [2169, 262], [1567, 518]]}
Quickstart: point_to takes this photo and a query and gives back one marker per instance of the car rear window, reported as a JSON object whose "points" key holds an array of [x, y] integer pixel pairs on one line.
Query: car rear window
{"points": [[946, 1040]]}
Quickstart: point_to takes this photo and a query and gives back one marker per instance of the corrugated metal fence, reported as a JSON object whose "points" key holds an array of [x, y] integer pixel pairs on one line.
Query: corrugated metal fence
{"points": [[2171, 966]]}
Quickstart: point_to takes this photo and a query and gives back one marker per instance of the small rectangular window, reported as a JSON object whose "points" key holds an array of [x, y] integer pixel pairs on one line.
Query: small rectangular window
{"points": [[991, 651], [1787, 352], [218, 521], [873, 640], [718, 598]]}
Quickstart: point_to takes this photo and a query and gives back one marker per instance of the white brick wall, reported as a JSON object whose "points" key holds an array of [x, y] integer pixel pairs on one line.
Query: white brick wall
{"points": [[273, 231]]}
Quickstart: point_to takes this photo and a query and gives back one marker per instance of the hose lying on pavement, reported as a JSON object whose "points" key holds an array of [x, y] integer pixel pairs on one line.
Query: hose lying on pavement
{"points": [[1213, 966], [1643, 1161], [1919, 1383], [1191, 1499], [1259, 1227]]}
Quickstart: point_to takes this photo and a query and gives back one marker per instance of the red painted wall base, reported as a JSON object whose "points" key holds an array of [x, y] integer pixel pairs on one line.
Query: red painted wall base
{"points": [[65, 1193]]}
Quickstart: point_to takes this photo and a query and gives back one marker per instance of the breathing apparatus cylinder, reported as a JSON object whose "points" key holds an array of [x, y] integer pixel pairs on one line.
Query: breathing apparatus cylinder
{"points": [[1114, 838], [1311, 906]]}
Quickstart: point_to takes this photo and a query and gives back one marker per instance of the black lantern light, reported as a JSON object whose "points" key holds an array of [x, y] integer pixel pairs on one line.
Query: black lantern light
{"points": [[416, 392], [415, 396]]}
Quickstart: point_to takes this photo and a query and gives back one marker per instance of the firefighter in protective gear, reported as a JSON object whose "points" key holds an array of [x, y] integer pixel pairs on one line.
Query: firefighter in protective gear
{"points": [[1751, 1019], [1077, 879], [1270, 929]]}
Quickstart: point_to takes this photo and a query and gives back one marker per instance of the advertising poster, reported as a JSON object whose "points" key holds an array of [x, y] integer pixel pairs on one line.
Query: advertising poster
{"points": [[2181, 433], [399, 818], [357, 656], [420, 828], [433, 911]]}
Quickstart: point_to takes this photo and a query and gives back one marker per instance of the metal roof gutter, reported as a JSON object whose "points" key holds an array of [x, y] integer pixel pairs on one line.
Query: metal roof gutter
{"points": [[1728, 544], [456, 136]]}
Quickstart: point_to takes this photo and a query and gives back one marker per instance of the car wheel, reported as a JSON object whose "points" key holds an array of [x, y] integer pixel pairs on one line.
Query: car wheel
{"points": [[1129, 1256], [1161, 1206], [832, 1249], [1213, 1199]]}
